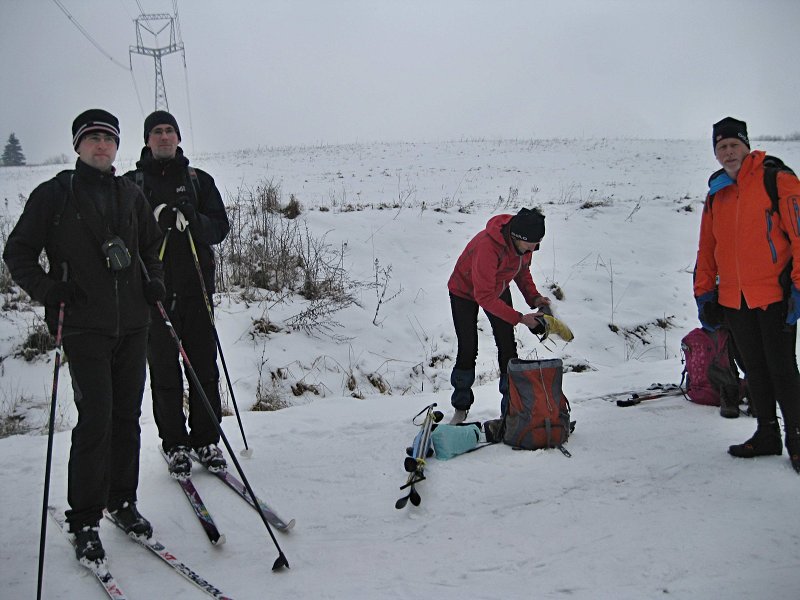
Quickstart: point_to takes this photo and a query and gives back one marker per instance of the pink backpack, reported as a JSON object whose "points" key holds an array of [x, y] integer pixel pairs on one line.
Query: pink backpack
{"points": [[709, 366]]}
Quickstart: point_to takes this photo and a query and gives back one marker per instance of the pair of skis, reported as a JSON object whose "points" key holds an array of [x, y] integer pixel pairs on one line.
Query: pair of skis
{"points": [[110, 584], [420, 450], [653, 392], [204, 516]]}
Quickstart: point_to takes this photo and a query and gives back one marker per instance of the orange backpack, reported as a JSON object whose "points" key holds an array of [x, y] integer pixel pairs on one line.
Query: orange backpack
{"points": [[538, 411]]}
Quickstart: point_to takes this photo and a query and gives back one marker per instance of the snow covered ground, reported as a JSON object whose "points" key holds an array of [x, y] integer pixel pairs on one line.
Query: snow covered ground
{"points": [[650, 505]]}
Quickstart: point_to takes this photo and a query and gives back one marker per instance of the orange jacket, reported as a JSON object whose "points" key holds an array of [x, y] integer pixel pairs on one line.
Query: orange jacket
{"points": [[744, 243]]}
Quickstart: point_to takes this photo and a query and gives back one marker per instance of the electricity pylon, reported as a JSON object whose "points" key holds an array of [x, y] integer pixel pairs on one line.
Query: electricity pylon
{"points": [[155, 24]]}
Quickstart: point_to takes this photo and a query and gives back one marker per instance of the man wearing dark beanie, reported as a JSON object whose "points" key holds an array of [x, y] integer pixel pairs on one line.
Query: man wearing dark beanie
{"points": [[192, 219], [499, 254], [748, 269], [96, 230]]}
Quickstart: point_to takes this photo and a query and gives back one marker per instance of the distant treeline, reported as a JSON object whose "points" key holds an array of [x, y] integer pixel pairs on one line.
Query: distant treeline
{"points": [[792, 137]]}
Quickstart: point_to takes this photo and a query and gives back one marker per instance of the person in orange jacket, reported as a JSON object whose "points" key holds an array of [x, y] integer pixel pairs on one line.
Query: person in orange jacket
{"points": [[495, 257], [744, 249]]}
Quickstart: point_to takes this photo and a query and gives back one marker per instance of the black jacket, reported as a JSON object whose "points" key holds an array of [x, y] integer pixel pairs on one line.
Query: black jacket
{"points": [[112, 303], [168, 182]]}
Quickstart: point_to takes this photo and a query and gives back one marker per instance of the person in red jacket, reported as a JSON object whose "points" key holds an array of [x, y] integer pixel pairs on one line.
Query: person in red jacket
{"points": [[494, 258], [746, 250]]}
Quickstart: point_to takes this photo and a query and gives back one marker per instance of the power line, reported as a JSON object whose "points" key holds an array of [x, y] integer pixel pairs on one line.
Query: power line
{"points": [[87, 36]]}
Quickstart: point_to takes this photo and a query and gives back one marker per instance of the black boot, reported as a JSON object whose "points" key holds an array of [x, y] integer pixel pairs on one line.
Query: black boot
{"points": [[132, 521], [793, 445], [765, 442], [88, 549], [729, 401]]}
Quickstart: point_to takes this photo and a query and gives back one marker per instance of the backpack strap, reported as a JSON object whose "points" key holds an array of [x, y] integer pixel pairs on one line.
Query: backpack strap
{"points": [[195, 183], [64, 179], [772, 165]]}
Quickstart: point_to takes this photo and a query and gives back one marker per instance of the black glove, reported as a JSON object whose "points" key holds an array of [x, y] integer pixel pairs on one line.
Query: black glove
{"points": [[67, 292], [188, 211], [154, 291], [712, 313], [540, 328], [166, 218]]}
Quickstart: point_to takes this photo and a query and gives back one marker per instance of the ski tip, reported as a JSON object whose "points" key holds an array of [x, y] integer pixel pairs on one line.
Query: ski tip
{"points": [[220, 541], [289, 526], [401, 502], [280, 562]]}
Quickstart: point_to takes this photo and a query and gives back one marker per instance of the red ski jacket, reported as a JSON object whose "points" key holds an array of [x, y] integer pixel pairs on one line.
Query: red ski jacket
{"points": [[487, 266]]}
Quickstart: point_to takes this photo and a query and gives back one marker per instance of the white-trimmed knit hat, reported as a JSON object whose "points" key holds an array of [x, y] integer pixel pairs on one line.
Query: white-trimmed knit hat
{"points": [[94, 119]]}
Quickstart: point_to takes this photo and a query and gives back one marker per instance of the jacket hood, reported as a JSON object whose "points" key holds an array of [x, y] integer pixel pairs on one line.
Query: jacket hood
{"points": [[494, 227]]}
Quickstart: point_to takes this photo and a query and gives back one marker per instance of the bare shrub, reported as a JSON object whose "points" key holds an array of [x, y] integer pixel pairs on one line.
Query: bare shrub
{"points": [[268, 248], [268, 393], [300, 388], [12, 419], [38, 342], [379, 383]]}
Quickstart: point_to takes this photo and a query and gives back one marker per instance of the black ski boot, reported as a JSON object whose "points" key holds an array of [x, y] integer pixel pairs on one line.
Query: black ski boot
{"points": [[179, 463], [765, 442], [729, 401], [131, 521], [793, 445], [88, 549], [211, 458]]}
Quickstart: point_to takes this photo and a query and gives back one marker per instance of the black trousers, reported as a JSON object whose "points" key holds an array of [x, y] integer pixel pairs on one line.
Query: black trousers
{"points": [[767, 348], [465, 319], [108, 375], [189, 317]]}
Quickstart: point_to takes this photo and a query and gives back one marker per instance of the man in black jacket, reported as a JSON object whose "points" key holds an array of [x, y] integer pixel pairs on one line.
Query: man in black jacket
{"points": [[74, 217], [192, 218]]}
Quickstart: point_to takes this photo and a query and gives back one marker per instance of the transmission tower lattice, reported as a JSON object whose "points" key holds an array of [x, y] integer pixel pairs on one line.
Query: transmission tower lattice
{"points": [[155, 24]]}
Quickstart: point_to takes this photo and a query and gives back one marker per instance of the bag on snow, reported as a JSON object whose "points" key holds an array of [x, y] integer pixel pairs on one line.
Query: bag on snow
{"points": [[452, 440], [709, 368], [538, 411]]}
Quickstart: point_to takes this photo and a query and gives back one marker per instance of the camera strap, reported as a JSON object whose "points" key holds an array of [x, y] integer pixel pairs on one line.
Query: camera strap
{"points": [[112, 248], [89, 215]]}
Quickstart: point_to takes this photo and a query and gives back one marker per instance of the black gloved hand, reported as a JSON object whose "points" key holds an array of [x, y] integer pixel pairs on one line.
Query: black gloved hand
{"points": [[540, 328], [188, 210], [154, 291], [67, 292], [712, 313], [166, 218]]}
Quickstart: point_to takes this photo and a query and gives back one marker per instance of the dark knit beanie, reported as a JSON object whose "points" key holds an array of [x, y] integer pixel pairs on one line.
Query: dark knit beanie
{"points": [[94, 119], [730, 128], [527, 225], [159, 117]]}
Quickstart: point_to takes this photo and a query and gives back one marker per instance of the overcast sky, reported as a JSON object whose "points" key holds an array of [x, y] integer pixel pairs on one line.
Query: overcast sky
{"points": [[271, 73]]}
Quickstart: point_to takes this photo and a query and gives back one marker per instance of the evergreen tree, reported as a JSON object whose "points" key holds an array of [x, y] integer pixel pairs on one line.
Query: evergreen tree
{"points": [[12, 155]]}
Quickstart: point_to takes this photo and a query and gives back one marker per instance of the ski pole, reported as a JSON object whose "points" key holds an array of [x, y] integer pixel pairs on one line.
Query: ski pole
{"points": [[247, 451], [50, 425], [281, 560]]}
